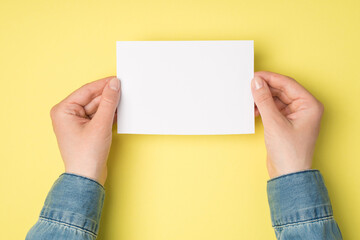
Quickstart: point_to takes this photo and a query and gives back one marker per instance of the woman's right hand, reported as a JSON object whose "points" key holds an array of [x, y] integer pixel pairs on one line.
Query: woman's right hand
{"points": [[291, 117]]}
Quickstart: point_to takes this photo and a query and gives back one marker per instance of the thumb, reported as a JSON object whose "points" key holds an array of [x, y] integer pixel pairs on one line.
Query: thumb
{"points": [[264, 100], [110, 97]]}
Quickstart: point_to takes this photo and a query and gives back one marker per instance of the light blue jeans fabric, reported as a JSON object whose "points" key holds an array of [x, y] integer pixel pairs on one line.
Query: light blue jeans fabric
{"points": [[299, 205], [72, 210]]}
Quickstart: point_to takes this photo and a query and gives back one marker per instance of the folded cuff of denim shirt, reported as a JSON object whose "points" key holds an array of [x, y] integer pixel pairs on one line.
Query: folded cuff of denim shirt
{"points": [[298, 197], [76, 201]]}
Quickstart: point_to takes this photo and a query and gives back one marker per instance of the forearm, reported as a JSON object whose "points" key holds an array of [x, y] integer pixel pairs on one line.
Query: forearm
{"points": [[300, 207], [72, 210]]}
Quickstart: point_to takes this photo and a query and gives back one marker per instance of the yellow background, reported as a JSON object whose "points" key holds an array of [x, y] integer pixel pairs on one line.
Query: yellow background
{"points": [[174, 187]]}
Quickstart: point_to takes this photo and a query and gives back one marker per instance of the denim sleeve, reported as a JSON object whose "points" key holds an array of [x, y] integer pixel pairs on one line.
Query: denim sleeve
{"points": [[71, 210], [300, 207]]}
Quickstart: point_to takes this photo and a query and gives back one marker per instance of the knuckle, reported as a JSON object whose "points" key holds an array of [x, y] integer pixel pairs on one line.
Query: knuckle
{"points": [[54, 111], [261, 72], [289, 77], [263, 98], [320, 107], [86, 85], [108, 101], [87, 91]]}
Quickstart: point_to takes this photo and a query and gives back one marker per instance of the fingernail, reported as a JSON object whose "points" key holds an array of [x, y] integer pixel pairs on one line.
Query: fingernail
{"points": [[259, 83], [114, 84]]}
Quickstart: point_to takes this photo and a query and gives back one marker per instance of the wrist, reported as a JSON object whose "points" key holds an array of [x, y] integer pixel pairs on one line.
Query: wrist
{"points": [[96, 175], [277, 172]]}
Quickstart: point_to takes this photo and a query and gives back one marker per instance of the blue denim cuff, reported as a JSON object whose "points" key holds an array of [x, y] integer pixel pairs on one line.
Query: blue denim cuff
{"points": [[76, 201], [298, 197]]}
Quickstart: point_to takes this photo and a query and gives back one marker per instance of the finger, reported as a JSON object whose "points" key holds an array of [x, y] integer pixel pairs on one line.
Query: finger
{"points": [[91, 108], [286, 111], [88, 92], [279, 104], [288, 86], [264, 100], [91, 116], [110, 97], [280, 95]]}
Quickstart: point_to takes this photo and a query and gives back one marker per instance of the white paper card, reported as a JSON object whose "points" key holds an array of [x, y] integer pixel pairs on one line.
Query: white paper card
{"points": [[185, 87]]}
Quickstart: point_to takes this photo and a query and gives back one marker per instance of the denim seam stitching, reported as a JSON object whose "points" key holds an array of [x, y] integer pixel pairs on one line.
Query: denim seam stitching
{"points": [[304, 222], [290, 174], [326, 207], [45, 211], [68, 225]]}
